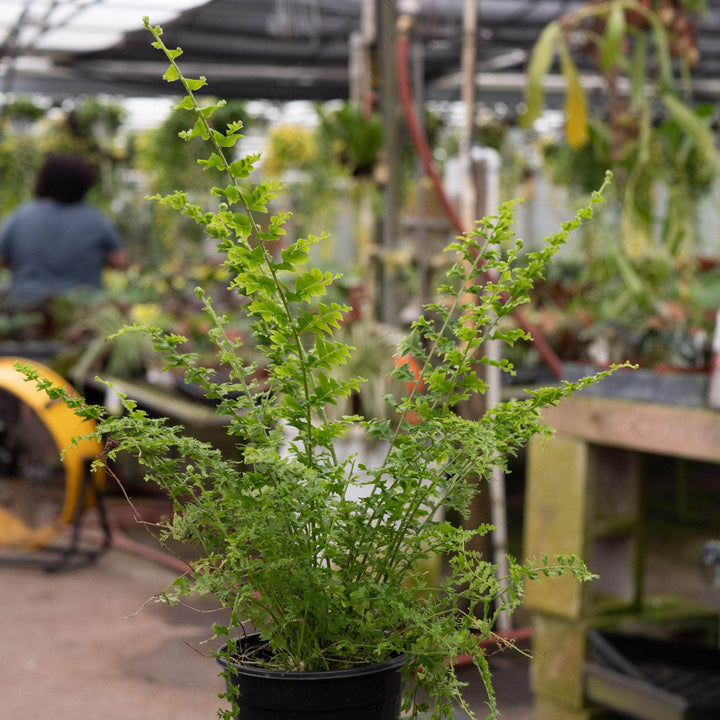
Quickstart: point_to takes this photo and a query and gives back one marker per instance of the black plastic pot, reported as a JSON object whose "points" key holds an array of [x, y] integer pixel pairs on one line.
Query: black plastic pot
{"points": [[368, 692]]}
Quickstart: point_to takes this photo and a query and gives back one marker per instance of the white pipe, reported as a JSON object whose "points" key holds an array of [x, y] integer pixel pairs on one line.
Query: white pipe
{"points": [[489, 159]]}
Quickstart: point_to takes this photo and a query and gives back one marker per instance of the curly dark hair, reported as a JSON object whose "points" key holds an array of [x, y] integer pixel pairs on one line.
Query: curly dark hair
{"points": [[65, 178]]}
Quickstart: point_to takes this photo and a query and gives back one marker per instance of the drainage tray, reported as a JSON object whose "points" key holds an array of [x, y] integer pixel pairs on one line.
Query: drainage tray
{"points": [[653, 679]]}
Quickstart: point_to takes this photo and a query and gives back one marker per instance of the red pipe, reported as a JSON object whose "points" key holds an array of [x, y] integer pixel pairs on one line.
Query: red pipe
{"points": [[422, 148], [121, 541]]}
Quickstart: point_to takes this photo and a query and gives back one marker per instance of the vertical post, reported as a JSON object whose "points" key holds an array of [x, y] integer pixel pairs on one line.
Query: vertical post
{"points": [[10, 54], [486, 163], [421, 240], [360, 66], [472, 205], [467, 201], [469, 54], [387, 17]]}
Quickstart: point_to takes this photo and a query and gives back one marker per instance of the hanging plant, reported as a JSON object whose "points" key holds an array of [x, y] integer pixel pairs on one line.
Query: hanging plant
{"points": [[23, 108], [290, 147], [351, 138], [89, 117], [645, 128]]}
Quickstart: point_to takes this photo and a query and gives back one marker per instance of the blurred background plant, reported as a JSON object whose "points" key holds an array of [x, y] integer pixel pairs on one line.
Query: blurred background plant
{"points": [[170, 258], [636, 286], [639, 287]]}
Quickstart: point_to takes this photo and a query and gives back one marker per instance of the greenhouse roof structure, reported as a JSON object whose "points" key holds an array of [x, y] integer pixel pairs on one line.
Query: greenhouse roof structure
{"points": [[278, 49]]}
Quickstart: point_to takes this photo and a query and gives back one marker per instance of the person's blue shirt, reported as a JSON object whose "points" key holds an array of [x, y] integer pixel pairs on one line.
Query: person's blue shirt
{"points": [[52, 248]]}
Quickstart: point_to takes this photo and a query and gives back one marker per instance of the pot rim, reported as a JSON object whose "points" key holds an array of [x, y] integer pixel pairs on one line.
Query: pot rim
{"points": [[304, 675]]}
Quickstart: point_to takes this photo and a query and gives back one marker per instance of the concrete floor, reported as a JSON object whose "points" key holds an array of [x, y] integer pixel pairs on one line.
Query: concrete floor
{"points": [[84, 644], [89, 644]]}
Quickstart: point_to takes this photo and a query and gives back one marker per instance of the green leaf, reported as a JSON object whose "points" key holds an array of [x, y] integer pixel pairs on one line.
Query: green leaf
{"points": [[297, 253], [638, 69], [171, 74], [312, 283], [324, 319], [259, 196], [230, 193], [187, 103], [540, 63], [214, 161], [241, 225], [223, 140], [255, 258], [329, 354], [195, 84], [662, 51], [613, 39], [244, 165], [208, 110], [327, 389], [692, 124], [198, 130], [263, 307], [253, 283], [630, 277]]}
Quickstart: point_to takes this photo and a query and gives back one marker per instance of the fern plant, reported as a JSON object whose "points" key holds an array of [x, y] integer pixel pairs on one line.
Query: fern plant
{"points": [[331, 577]]}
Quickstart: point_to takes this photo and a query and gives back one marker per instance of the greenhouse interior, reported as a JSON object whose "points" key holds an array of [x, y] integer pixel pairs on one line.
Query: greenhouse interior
{"points": [[349, 336]]}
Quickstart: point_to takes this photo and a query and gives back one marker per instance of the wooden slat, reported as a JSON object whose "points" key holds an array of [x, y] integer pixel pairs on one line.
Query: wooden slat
{"points": [[692, 433], [164, 402]]}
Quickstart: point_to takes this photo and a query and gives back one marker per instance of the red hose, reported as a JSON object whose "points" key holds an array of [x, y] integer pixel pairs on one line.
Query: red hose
{"points": [[498, 641], [422, 148], [121, 541]]}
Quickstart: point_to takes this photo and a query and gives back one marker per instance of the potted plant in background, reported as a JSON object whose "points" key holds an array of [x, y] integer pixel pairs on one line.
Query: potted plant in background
{"points": [[323, 583]]}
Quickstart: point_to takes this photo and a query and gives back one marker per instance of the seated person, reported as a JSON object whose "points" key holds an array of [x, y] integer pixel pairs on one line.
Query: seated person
{"points": [[58, 242]]}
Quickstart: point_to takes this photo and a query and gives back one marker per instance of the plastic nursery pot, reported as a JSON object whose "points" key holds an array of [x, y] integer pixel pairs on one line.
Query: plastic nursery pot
{"points": [[368, 692]]}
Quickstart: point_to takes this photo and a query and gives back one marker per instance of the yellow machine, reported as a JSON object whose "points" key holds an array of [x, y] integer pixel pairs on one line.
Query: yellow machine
{"points": [[44, 492]]}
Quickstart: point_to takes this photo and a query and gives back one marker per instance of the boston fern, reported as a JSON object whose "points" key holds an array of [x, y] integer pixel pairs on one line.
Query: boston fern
{"points": [[328, 557]]}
